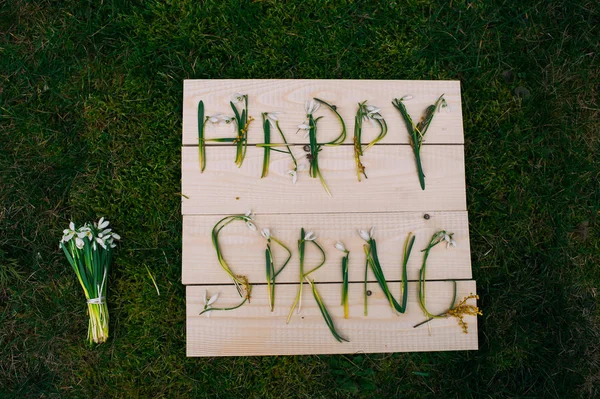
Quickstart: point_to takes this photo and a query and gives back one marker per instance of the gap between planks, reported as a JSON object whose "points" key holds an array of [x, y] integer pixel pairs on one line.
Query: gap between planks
{"points": [[253, 330], [244, 250], [288, 96], [393, 183]]}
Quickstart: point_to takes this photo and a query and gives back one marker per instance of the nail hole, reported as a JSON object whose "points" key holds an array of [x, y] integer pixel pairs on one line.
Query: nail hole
{"points": [[426, 216], [369, 292]]}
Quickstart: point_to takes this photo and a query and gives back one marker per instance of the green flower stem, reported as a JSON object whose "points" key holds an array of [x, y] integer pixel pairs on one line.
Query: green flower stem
{"points": [[417, 132], [435, 240], [231, 308], [270, 268], [304, 276], [342, 137], [241, 282], [267, 149], [361, 114], [201, 143], [242, 122], [345, 283], [272, 146], [373, 261], [366, 247]]}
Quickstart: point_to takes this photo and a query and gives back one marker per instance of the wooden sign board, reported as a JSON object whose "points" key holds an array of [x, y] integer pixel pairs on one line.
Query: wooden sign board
{"points": [[390, 200]]}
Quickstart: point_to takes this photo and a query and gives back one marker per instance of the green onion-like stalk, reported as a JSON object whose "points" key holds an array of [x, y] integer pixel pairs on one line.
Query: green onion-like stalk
{"points": [[267, 140], [304, 238], [417, 132]]}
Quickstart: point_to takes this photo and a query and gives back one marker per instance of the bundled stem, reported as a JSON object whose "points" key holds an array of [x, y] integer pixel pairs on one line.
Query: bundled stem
{"points": [[417, 132], [309, 237], [89, 252], [373, 261]]}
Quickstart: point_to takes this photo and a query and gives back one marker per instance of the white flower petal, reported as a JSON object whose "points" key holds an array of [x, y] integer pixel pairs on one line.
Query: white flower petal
{"points": [[377, 116], [251, 226], [306, 134], [406, 97], [205, 297], [370, 108], [364, 235], [371, 232], [102, 223], [72, 226], [79, 243], [68, 237], [310, 236], [248, 213], [212, 299], [304, 126], [116, 236], [266, 233], [301, 167], [340, 246]]}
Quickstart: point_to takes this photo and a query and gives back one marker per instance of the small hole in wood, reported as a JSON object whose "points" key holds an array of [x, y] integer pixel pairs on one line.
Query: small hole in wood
{"points": [[426, 216], [369, 293], [237, 198]]}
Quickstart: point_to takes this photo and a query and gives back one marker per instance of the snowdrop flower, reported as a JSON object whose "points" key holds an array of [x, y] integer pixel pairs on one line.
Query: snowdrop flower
{"points": [[366, 235], [266, 233], [272, 118], [406, 97], [444, 105], [99, 241], [310, 236], [311, 107], [215, 119], [248, 214], [79, 242], [339, 246], [451, 243], [251, 225], [69, 233], [102, 224], [294, 176], [209, 301], [237, 97], [226, 119], [304, 126]]}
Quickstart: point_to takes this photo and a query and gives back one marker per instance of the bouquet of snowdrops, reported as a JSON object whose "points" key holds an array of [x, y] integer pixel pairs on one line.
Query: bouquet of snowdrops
{"points": [[89, 250]]}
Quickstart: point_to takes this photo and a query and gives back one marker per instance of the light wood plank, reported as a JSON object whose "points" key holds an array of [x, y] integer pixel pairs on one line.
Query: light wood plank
{"points": [[244, 249], [253, 330], [289, 96], [392, 185]]}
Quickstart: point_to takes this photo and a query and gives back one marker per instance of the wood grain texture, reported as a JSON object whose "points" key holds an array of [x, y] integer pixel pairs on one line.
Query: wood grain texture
{"points": [[244, 250], [253, 330], [289, 96], [392, 185]]}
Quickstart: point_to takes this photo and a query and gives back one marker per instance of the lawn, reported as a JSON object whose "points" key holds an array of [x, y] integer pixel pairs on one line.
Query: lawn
{"points": [[90, 126]]}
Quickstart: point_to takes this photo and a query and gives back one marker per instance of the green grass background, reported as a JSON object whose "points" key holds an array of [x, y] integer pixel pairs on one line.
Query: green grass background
{"points": [[90, 124]]}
